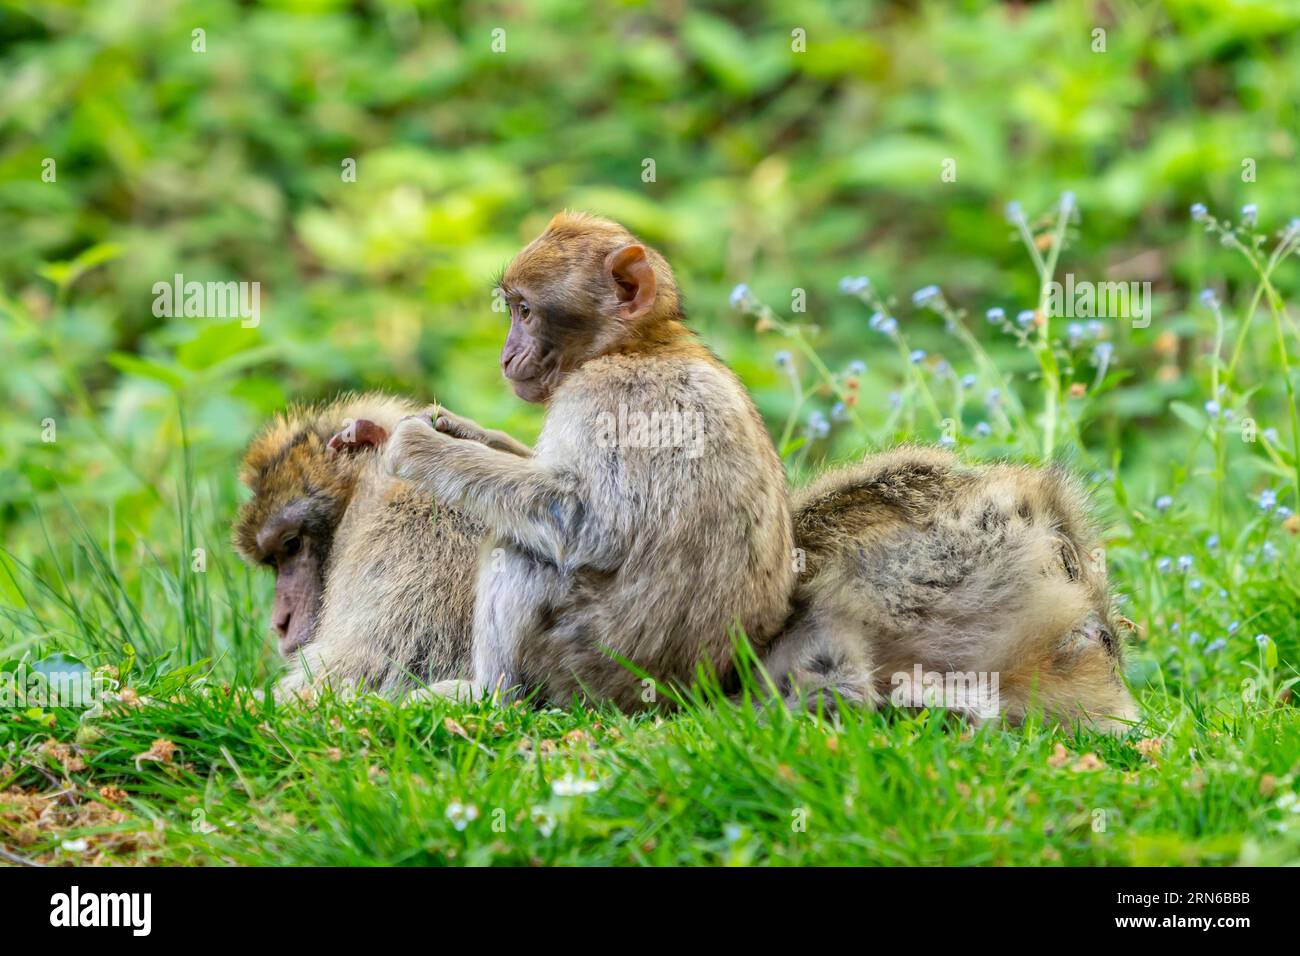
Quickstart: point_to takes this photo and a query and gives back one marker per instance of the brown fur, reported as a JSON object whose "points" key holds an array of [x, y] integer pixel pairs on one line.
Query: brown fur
{"points": [[912, 558], [397, 576], [606, 549]]}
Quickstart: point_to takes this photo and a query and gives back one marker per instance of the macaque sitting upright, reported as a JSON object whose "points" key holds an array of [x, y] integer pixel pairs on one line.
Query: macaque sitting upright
{"points": [[653, 515]]}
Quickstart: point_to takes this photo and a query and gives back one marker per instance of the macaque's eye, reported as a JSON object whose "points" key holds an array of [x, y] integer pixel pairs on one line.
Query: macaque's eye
{"points": [[291, 545], [524, 310]]}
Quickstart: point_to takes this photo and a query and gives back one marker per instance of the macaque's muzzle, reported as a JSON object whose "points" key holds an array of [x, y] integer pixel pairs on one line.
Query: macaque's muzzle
{"points": [[297, 604]]}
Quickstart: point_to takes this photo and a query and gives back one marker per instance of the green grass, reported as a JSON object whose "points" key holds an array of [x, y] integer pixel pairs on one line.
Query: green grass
{"points": [[368, 782], [190, 762]]}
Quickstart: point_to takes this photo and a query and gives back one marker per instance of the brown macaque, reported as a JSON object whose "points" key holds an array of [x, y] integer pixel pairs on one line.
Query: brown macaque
{"points": [[374, 584], [653, 515], [988, 577]]}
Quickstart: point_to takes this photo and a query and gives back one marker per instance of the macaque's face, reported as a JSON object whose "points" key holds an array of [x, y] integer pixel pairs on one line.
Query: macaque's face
{"points": [[531, 357], [302, 482], [1098, 626], [287, 546], [576, 292]]}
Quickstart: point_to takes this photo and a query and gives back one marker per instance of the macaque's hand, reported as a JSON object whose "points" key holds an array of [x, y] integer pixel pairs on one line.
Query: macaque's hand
{"points": [[358, 435], [466, 429], [458, 426], [413, 446]]}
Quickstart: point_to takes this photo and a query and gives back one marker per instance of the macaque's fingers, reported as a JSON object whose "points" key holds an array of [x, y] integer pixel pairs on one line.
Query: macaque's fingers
{"points": [[458, 427], [362, 433]]}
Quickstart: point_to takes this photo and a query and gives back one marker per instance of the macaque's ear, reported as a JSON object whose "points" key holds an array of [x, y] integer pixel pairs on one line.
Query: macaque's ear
{"points": [[634, 279], [362, 433]]}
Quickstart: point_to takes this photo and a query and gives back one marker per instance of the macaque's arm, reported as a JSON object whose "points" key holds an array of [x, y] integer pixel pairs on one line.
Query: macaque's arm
{"points": [[513, 495]]}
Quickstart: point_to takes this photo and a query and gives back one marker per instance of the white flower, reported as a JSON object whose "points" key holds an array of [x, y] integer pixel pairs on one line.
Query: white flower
{"points": [[461, 814], [571, 786], [543, 819]]}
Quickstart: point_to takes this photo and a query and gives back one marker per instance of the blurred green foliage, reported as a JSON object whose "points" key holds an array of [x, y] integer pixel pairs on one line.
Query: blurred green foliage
{"points": [[782, 168]]}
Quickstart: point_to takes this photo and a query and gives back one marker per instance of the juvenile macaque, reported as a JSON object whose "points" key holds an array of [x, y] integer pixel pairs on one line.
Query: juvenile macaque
{"points": [[982, 576], [374, 585], [612, 544]]}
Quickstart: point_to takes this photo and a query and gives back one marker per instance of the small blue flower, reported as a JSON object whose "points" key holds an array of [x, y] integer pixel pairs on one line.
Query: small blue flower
{"points": [[994, 315], [1067, 203], [818, 426], [992, 398], [1261, 640], [968, 380], [1292, 229], [838, 412], [917, 356], [1095, 328], [852, 285], [883, 323], [895, 400], [1101, 353], [942, 369], [1184, 562], [1215, 645], [857, 367], [1232, 627], [1212, 542], [927, 294], [1270, 551], [1198, 211], [1163, 565], [783, 359], [983, 429], [1025, 318], [1074, 331], [947, 441], [1249, 213], [1283, 511], [740, 295], [1194, 584], [1267, 499], [1270, 435], [1164, 503], [1209, 299], [1194, 638], [1014, 213], [1212, 408]]}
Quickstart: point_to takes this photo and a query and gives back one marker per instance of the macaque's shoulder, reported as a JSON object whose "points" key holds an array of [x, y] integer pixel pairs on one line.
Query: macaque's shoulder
{"points": [[689, 374]]}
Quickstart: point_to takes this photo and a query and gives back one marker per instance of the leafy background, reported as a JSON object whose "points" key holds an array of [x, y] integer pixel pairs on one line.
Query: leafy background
{"points": [[783, 170]]}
